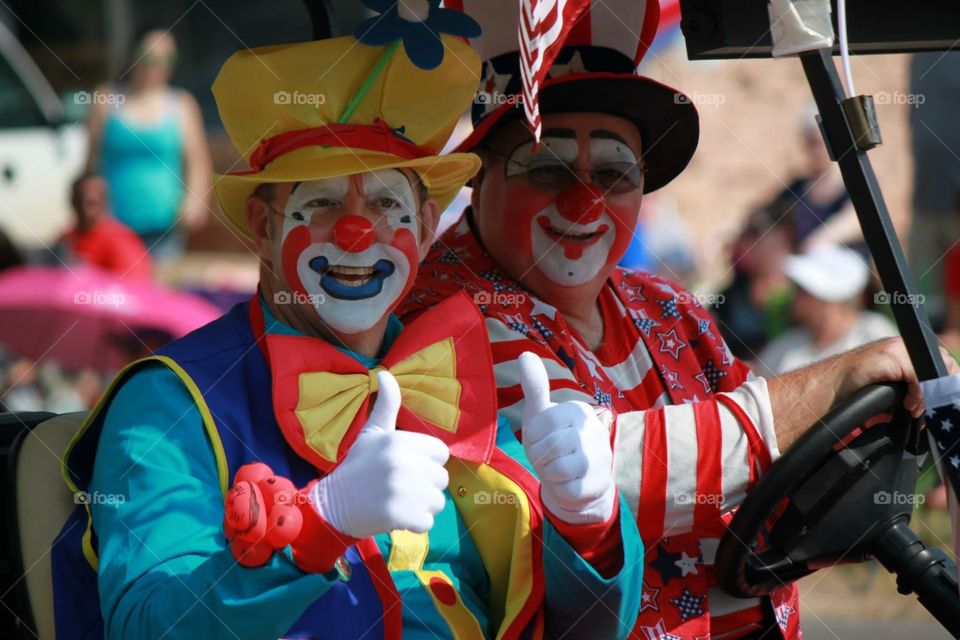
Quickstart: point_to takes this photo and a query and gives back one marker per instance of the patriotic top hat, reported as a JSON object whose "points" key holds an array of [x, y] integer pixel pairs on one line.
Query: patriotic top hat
{"points": [[597, 45]]}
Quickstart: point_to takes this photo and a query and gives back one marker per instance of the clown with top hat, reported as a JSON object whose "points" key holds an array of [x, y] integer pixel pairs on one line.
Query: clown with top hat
{"points": [[571, 139], [306, 466]]}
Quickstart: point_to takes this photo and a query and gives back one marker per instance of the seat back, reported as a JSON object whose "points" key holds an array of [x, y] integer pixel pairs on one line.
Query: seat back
{"points": [[15, 618], [43, 504]]}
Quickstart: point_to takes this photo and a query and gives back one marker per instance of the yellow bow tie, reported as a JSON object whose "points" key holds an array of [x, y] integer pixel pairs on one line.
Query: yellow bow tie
{"points": [[442, 364]]}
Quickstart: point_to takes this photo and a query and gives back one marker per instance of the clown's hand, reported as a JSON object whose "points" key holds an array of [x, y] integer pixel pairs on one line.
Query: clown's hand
{"points": [[389, 479], [569, 448]]}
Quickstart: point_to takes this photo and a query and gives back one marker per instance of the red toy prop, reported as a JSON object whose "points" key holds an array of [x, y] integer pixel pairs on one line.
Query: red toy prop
{"points": [[261, 514]]}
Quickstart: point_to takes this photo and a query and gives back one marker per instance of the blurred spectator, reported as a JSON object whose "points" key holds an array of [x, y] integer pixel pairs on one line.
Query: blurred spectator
{"points": [[638, 256], [754, 308], [29, 385], [147, 139], [19, 384], [661, 242], [97, 238], [935, 136], [817, 201], [828, 305]]}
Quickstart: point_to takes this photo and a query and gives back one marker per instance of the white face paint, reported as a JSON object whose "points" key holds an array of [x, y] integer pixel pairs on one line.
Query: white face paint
{"points": [[568, 253], [609, 150], [351, 290], [570, 262], [317, 197], [389, 191]]}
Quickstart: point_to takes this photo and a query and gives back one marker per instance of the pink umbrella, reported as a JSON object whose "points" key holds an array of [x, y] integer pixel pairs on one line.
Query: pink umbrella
{"points": [[86, 317]]}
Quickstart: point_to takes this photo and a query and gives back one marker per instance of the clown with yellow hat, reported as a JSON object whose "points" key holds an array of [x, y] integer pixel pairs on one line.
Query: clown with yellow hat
{"points": [[306, 466]]}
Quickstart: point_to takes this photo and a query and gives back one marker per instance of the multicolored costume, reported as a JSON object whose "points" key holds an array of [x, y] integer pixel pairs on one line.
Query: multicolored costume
{"points": [[170, 449], [151, 553]]}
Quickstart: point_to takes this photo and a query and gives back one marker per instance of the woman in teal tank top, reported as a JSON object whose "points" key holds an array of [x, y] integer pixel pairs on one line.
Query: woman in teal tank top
{"points": [[143, 164], [147, 140]]}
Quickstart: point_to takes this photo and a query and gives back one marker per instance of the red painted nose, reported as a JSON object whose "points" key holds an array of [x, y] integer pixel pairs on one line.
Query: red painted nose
{"points": [[581, 203], [353, 233]]}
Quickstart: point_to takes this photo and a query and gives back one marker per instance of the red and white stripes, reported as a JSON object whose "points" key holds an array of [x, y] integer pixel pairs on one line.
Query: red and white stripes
{"points": [[542, 30]]}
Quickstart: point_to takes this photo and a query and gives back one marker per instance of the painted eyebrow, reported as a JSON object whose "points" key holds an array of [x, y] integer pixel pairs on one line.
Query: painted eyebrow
{"points": [[295, 185], [603, 134]]}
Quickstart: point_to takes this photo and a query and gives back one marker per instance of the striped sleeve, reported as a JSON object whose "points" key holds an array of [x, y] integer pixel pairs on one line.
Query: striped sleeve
{"points": [[507, 345], [729, 439]]}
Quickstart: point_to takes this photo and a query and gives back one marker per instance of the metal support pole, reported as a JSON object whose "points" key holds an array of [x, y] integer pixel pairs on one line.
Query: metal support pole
{"points": [[875, 221]]}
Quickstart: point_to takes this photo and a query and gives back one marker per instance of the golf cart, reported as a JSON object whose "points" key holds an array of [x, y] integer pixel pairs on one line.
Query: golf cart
{"points": [[830, 493]]}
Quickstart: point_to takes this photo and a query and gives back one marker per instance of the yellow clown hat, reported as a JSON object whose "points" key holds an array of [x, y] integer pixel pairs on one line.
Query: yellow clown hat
{"points": [[339, 106]]}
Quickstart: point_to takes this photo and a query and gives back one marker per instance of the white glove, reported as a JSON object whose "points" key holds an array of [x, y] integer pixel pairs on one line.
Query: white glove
{"points": [[389, 479], [569, 448]]}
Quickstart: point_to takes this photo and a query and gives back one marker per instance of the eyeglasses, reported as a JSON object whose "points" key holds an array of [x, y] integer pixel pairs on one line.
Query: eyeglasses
{"points": [[553, 173]]}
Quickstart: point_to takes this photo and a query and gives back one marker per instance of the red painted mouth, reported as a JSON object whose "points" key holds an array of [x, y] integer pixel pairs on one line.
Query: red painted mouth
{"points": [[572, 240]]}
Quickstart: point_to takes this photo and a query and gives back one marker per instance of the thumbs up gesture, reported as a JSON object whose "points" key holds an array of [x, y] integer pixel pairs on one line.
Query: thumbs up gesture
{"points": [[569, 448], [389, 479]]}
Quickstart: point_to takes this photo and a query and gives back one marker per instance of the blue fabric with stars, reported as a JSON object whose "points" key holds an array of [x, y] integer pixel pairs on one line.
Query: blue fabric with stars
{"points": [[942, 397]]}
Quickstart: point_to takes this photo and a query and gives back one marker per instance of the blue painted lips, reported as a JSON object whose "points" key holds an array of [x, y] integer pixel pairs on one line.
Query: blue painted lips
{"points": [[382, 270]]}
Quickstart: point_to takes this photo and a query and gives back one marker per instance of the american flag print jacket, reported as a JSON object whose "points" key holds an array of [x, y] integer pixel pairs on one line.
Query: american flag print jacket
{"points": [[691, 427]]}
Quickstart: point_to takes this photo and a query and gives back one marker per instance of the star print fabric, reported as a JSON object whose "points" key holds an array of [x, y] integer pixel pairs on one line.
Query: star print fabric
{"points": [[942, 418], [692, 428]]}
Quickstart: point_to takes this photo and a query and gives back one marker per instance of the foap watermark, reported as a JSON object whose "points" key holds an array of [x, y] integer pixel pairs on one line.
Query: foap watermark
{"points": [[499, 297], [898, 498], [899, 297], [899, 97], [495, 497], [84, 497], [497, 98], [700, 99], [297, 297], [299, 97], [100, 298], [714, 499], [702, 299], [99, 97], [292, 498]]}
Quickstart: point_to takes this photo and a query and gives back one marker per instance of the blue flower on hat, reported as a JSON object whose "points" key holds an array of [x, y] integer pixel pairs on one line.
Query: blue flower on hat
{"points": [[418, 24]]}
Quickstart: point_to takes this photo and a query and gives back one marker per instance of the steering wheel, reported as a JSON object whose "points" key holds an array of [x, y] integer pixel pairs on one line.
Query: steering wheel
{"points": [[842, 493]]}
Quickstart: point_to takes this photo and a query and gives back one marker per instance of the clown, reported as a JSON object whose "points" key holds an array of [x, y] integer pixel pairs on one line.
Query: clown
{"points": [[352, 269], [572, 221], [306, 466], [538, 248]]}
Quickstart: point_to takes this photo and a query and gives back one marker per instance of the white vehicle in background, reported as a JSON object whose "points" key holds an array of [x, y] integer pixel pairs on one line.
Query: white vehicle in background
{"points": [[40, 152]]}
